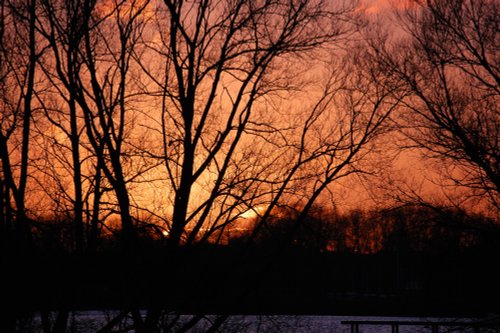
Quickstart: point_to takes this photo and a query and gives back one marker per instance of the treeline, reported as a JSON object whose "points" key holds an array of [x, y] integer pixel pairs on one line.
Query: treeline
{"points": [[408, 228], [404, 229]]}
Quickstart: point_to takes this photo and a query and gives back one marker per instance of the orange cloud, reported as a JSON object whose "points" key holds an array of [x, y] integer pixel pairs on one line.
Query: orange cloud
{"points": [[379, 6]]}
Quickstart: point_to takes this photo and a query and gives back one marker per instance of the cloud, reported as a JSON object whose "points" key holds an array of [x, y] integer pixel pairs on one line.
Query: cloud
{"points": [[380, 6]]}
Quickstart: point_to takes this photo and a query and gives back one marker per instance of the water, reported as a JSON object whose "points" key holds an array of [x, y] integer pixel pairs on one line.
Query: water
{"points": [[92, 321]]}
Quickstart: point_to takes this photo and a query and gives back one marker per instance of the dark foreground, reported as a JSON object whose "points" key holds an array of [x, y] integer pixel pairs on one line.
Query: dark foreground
{"points": [[95, 321], [222, 280]]}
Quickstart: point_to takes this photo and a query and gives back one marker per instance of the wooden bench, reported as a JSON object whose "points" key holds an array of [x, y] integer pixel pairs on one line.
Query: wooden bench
{"points": [[433, 325]]}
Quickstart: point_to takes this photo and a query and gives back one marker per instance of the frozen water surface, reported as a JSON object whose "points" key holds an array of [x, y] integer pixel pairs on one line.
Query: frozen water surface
{"points": [[92, 321]]}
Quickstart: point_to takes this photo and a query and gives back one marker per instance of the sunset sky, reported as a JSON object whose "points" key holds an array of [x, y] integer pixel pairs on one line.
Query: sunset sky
{"points": [[162, 157], [191, 116]]}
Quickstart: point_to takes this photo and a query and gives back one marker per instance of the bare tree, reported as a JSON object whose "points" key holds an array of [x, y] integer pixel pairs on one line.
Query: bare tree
{"points": [[340, 135], [449, 63], [223, 65], [88, 67], [62, 28], [19, 50], [19, 53], [219, 60], [93, 68]]}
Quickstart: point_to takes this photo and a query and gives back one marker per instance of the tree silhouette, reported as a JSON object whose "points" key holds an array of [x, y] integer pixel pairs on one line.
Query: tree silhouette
{"points": [[173, 123], [19, 53], [448, 63]]}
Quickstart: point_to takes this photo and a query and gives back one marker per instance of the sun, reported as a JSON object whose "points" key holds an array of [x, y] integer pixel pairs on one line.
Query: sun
{"points": [[253, 212]]}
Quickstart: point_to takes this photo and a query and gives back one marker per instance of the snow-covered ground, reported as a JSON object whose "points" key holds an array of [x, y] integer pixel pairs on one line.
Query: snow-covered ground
{"points": [[92, 321]]}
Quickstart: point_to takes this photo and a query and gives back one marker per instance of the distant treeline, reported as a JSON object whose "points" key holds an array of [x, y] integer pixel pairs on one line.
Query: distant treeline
{"points": [[423, 229], [408, 228]]}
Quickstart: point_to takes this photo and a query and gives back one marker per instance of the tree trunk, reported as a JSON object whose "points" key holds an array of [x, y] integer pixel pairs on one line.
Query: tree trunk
{"points": [[75, 151], [22, 222]]}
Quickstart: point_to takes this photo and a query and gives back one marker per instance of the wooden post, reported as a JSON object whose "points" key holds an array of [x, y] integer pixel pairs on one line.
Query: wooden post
{"points": [[395, 328], [435, 328]]}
